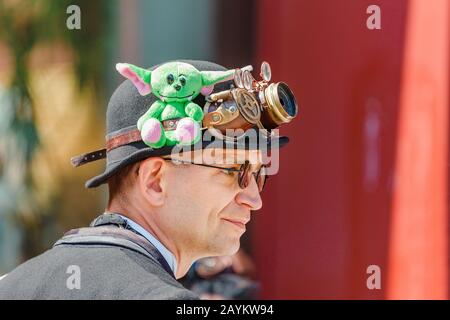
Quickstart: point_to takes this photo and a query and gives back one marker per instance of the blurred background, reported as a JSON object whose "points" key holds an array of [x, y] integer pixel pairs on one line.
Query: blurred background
{"points": [[364, 181]]}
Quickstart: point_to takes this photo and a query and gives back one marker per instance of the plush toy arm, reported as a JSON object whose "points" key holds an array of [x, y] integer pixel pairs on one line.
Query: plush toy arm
{"points": [[194, 111], [154, 111]]}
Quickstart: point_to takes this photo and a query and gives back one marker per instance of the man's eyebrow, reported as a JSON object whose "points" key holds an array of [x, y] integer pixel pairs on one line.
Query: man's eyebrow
{"points": [[232, 165], [223, 164]]}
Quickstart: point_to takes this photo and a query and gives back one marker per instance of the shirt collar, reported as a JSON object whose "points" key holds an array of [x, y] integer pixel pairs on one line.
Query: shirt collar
{"points": [[170, 258]]}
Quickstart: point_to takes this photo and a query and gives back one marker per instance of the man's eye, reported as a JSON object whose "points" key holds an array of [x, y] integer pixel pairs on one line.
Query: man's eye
{"points": [[170, 79], [228, 172]]}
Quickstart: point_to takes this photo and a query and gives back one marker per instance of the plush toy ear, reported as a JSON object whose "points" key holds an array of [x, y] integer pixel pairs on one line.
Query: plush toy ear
{"points": [[139, 76], [210, 78]]}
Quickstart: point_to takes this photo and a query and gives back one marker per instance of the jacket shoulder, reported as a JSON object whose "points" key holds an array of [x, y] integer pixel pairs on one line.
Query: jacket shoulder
{"points": [[103, 271]]}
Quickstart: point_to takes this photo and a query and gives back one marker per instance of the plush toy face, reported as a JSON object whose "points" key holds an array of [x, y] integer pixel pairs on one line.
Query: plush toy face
{"points": [[176, 82], [173, 81]]}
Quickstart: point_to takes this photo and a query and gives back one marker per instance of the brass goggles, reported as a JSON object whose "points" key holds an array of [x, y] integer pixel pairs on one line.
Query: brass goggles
{"points": [[250, 103]]}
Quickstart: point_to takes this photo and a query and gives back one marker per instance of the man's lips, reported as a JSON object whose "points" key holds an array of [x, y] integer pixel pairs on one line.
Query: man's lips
{"points": [[237, 222]]}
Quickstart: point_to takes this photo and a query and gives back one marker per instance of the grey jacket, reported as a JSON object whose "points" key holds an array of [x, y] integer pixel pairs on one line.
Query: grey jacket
{"points": [[101, 262]]}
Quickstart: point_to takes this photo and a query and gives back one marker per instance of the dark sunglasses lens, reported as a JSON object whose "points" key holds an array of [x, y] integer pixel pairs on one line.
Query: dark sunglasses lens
{"points": [[245, 175], [261, 178], [244, 179]]}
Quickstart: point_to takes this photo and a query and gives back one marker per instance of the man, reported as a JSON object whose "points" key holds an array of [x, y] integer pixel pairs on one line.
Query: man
{"points": [[166, 209]]}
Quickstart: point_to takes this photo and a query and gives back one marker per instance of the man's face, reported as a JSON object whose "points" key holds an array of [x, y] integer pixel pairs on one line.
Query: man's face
{"points": [[205, 208]]}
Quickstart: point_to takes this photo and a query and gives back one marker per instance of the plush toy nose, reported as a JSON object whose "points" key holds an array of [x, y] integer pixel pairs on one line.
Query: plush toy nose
{"points": [[177, 87]]}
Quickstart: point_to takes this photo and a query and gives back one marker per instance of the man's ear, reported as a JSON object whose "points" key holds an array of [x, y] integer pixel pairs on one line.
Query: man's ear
{"points": [[140, 77], [149, 179], [210, 78]]}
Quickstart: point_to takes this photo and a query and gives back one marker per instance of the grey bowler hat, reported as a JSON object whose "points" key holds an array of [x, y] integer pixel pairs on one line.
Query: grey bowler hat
{"points": [[126, 106]]}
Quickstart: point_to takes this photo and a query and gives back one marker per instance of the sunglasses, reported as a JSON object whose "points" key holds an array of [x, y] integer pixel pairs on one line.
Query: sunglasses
{"points": [[244, 173]]}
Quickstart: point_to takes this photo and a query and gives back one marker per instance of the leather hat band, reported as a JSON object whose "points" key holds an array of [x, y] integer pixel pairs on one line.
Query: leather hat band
{"points": [[113, 142]]}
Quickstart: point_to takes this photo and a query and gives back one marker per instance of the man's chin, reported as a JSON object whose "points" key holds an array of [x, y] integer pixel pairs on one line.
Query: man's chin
{"points": [[230, 249]]}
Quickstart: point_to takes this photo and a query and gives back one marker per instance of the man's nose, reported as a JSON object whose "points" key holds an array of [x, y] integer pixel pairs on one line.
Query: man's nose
{"points": [[250, 196], [177, 87]]}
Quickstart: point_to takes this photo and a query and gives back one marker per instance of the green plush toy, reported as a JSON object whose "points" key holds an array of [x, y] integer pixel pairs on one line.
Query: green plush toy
{"points": [[173, 118]]}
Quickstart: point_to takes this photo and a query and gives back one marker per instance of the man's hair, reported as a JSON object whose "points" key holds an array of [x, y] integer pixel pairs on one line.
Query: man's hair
{"points": [[123, 179]]}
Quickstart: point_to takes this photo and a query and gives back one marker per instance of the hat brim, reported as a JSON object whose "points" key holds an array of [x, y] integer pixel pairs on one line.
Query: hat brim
{"points": [[138, 151]]}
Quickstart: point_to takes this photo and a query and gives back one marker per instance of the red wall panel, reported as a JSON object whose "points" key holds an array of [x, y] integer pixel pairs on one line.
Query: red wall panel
{"points": [[328, 215]]}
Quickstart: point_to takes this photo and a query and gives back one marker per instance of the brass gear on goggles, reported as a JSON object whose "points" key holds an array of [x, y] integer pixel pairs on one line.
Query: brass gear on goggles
{"points": [[250, 103]]}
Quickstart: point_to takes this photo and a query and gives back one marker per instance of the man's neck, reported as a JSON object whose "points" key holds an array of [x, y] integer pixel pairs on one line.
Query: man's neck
{"points": [[183, 261]]}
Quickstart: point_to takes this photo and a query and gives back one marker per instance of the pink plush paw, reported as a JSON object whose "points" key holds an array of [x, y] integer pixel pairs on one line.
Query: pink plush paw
{"points": [[187, 130], [151, 131]]}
